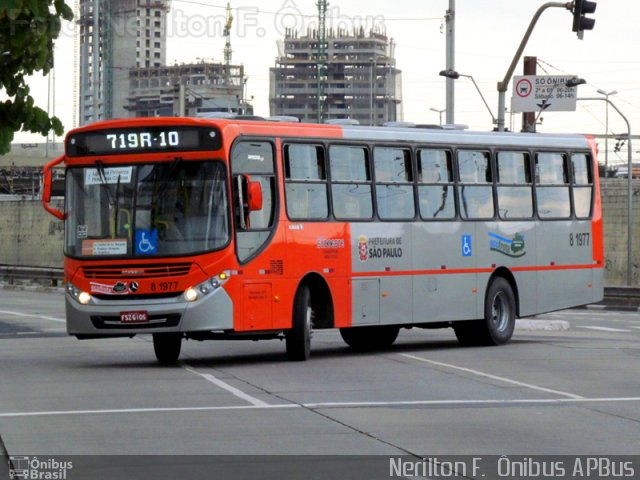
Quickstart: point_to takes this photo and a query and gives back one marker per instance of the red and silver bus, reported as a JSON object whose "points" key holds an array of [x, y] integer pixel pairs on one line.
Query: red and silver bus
{"points": [[234, 229]]}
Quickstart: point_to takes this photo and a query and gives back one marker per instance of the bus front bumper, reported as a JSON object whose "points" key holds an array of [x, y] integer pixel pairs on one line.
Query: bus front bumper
{"points": [[103, 317]]}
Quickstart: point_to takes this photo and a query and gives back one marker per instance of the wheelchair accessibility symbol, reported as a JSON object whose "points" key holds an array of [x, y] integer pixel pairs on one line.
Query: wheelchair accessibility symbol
{"points": [[467, 250], [146, 242]]}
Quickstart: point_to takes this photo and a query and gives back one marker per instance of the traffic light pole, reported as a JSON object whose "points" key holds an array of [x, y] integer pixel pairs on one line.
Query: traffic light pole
{"points": [[504, 85]]}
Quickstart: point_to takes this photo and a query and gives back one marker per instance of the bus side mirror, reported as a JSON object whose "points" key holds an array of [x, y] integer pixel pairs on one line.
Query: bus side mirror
{"points": [[47, 183], [254, 195]]}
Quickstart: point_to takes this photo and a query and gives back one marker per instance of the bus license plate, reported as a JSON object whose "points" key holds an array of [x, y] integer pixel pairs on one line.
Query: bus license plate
{"points": [[134, 317]]}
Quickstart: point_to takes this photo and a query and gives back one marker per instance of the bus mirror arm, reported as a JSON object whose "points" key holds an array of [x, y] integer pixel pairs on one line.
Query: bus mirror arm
{"points": [[47, 184]]}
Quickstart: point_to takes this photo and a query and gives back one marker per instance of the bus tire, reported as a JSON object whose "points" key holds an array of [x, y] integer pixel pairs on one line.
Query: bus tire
{"points": [[298, 338], [167, 346], [370, 338], [499, 318]]}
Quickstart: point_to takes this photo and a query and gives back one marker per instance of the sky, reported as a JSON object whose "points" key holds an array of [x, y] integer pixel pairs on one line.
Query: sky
{"points": [[488, 33]]}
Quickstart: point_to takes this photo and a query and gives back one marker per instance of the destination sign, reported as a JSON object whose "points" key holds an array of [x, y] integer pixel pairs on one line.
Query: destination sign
{"points": [[142, 140]]}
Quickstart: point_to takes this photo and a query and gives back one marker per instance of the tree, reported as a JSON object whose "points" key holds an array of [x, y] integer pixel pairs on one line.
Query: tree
{"points": [[27, 31]]}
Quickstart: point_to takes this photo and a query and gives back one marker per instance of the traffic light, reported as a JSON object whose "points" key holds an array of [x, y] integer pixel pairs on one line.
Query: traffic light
{"points": [[580, 22]]}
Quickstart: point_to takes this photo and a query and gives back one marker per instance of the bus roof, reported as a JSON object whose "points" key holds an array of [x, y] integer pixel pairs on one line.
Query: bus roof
{"points": [[362, 133]]}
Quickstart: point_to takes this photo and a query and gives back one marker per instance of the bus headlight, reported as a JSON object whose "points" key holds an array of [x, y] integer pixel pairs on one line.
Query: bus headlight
{"points": [[81, 297], [192, 294]]}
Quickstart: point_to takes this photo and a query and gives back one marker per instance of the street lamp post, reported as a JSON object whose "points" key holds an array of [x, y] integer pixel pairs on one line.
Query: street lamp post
{"points": [[455, 75], [440, 112], [629, 186], [606, 138]]}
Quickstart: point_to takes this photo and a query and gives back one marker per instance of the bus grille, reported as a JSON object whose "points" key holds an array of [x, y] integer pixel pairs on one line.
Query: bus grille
{"points": [[137, 271]]}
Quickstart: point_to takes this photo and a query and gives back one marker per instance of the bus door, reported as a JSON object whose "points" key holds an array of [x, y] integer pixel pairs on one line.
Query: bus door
{"points": [[254, 189]]}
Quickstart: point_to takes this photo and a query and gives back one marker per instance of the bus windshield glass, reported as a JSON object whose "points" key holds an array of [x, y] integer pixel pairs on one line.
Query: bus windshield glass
{"points": [[148, 210]]}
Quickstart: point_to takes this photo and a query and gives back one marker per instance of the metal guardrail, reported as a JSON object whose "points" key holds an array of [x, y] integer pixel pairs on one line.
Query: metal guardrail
{"points": [[14, 275], [623, 297]]}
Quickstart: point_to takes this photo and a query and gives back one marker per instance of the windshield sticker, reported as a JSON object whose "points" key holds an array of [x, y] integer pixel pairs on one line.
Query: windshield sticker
{"points": [[117, 246], [82, 231], [92, 176], [514, 247], [146, 242]]}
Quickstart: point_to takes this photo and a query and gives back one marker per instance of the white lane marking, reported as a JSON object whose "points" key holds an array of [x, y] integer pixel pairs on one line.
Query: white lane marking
{"points": [[146, 410], [605, 329], [493, 377], [238, 393], [32, 315], [289, 406]]}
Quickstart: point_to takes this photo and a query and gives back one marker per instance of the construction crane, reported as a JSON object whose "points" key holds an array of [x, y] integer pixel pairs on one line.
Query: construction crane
{"points": [[227, 35], [322, 57]]}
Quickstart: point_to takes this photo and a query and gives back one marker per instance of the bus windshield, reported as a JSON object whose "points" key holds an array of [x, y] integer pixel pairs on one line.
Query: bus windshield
{"points": [[162, 209]]}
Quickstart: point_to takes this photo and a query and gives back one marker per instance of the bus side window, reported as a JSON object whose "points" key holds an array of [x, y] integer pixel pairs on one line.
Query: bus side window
{"points": [[254, 161], [475, 189], [306, 182], [515, 197], [552, 185], [582, 184], [350, 183], [394, 183], [435, 184]]}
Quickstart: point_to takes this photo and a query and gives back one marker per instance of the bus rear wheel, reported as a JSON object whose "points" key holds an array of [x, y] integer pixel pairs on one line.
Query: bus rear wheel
{"points": [[298, 338], [370, 338], [167, 346], [499, 318]]}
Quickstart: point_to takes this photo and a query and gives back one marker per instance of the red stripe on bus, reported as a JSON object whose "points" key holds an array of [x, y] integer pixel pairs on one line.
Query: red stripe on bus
{"points": [[471, 270]]}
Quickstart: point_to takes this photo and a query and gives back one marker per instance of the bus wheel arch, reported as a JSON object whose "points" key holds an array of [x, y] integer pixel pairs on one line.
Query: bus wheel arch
{"points": [[508, 276], [312, 309], [321, 300], [500, 309]]}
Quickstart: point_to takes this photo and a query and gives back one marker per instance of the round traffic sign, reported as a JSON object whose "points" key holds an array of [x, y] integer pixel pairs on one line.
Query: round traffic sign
{"points": [[523, 88]]}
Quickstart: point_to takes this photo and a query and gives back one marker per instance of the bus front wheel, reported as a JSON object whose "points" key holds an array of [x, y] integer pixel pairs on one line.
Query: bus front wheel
{"points": [[370, 338], [167, 346], [499, 318], [298, 338]]}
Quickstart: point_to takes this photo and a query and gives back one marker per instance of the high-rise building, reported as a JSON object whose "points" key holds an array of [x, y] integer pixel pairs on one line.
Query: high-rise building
{"points": [[356, 78], [115, 36]]}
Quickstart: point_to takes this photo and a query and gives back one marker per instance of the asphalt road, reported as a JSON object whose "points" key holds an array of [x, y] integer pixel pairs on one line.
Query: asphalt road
{"points": [[571, 390]]}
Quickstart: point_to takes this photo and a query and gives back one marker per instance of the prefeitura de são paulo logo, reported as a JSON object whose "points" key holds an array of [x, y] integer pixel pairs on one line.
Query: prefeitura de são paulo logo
{"points": [[363, 248]]}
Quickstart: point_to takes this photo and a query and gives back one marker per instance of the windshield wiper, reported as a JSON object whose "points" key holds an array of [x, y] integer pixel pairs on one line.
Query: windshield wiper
{"points": [[114, 200], [103, 181]]}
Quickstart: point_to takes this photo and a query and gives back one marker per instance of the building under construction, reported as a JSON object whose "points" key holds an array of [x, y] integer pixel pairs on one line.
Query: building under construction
{"points": [[187, 90], [344, 75], [115, 36]]}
